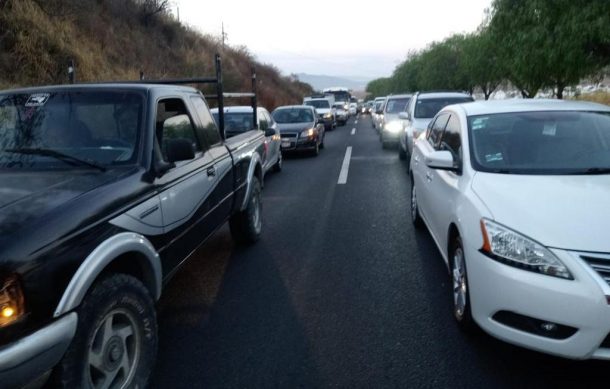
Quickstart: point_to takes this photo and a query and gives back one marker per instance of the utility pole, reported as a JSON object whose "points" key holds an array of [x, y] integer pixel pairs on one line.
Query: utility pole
{"points": [[178, 12], [224, 35]]}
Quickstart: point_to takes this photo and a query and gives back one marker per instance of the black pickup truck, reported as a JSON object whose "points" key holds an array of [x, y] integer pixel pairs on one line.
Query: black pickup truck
{"points": [[105, 190]]}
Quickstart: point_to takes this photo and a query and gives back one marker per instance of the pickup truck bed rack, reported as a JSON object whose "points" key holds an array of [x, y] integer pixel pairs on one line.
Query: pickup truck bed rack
{"points": [[219, 96]]}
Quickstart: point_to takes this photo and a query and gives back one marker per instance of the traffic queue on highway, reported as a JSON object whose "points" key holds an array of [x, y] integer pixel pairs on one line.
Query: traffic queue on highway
{"points": [[515, 194]]}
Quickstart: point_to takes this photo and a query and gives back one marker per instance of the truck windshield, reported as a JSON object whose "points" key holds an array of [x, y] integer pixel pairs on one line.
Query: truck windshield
{"points": [[541, 143], [57, 129], [236, 122], [318, 103], [293, 115]]}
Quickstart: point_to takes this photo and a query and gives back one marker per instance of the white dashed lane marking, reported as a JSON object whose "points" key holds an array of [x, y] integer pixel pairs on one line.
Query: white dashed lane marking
{"points": [[345, 167]]}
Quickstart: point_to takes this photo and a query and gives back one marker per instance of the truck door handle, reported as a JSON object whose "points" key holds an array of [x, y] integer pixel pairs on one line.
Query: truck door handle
{"points": [[211, 171]]}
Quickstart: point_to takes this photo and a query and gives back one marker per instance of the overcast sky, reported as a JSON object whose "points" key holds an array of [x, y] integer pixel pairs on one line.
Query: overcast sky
{"points": [[338, 38]]}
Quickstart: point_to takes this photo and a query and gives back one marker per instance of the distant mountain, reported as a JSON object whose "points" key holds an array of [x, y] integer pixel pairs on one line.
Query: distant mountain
{"points": [[319, 82]]}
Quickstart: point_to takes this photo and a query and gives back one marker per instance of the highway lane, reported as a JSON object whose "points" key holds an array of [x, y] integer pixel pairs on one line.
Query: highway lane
{"points": [[340, 291]]}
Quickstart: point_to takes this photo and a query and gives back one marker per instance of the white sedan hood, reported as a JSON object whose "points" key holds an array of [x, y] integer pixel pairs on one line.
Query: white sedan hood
{"points": [[568, 212]]}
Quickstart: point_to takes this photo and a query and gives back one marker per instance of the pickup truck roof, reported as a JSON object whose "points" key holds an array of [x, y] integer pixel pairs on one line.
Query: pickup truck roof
{"points": [[108, 86]]}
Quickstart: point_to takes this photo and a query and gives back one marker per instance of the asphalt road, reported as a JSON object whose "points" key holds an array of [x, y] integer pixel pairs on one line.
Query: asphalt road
{"points": [[341, 291]]}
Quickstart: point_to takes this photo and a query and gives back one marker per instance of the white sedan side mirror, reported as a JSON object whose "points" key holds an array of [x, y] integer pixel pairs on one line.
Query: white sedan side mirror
{"points": [[441, 159]]}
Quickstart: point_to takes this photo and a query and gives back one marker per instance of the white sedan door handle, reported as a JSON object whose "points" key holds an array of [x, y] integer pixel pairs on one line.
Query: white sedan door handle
{"points": [[429, 176]]}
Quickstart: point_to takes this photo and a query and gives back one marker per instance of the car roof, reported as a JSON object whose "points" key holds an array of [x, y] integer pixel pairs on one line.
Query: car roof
{"points": [[237, 109], [440, 95], [528, 105], [294, 106], [381, 98], [103, 86], [399, 96]]}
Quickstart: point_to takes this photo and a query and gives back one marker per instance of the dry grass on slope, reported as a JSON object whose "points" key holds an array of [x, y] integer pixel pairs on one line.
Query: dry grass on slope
{"points": [[114, 40]]}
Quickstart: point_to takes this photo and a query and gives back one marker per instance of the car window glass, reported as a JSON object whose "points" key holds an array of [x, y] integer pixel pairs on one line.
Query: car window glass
{"points": [[397, 105], [97, 125], [427, 108], [263, 121], [269, 118], [174, 123], [437, 129], [451, 140], [561, 142], [210, 129]]}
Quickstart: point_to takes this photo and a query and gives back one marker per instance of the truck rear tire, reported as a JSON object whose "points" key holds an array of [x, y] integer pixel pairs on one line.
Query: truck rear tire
{"points": [[115, 344], [246, 225]]}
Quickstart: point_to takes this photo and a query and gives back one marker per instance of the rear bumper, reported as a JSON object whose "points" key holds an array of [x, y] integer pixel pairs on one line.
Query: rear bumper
{"points": [[29, 358]]}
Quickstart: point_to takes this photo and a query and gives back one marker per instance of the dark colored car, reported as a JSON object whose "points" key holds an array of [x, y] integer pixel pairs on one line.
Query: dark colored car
{"points": [[300, 128], [106, 190]]}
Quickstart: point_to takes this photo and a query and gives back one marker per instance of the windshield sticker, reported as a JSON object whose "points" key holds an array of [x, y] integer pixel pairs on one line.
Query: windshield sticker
{"points": [[37, 100], [494, 157], [550, 129], [479, 123]]}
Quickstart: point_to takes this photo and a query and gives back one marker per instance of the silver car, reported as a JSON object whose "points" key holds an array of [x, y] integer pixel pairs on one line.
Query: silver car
{"points": [[378, 106], [391, 126], [238, 120], [420, 111]]}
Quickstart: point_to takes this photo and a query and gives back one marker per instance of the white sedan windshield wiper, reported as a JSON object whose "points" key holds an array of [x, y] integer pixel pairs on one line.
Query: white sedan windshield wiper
{"points": [[58, 155]]}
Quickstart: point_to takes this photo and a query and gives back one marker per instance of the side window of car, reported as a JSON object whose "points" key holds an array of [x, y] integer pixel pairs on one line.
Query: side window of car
{"points": [[263, 121], [435, 132], [269, 118], [210, 130], [175, 128], [451, 139], [411, 108]]}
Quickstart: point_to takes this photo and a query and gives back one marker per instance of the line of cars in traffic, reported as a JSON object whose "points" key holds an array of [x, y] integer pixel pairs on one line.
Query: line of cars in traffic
{"points": [[516, 195], [292, 128]]}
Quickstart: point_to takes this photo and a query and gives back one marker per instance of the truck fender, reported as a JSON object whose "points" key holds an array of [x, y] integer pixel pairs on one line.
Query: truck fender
{"points": [[105, 254], [255, 169]]}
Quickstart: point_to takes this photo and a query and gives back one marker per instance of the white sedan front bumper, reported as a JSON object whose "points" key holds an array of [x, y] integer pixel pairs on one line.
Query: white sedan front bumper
{"points": [[578, 308]]}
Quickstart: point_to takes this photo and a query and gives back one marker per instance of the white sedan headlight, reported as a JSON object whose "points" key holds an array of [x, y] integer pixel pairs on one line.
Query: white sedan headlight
{"points": [[393, 127], [512, 248], [328, 115]]}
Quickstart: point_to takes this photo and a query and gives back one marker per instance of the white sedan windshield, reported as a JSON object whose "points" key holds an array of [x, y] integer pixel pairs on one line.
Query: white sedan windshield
{"points": [[541, 142]]}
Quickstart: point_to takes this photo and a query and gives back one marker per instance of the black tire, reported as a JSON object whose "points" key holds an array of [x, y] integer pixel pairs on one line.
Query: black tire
{"points": [[402, 154], [416, 219], [459, 280], [278, 165], [316, 151], [246, 225], [118, 299]]}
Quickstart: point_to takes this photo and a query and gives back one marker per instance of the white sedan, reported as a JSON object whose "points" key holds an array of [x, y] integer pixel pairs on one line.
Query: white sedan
{"points": [[516, 195]]}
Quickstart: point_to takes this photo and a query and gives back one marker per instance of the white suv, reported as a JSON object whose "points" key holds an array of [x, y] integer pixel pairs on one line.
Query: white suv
{"points": [[420, 111], [516, 195]]}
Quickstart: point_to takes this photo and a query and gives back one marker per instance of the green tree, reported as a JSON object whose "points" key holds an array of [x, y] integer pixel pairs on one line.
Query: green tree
{"points": [[379, 87], [481, 62], [443, 66], [551, 43]]}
